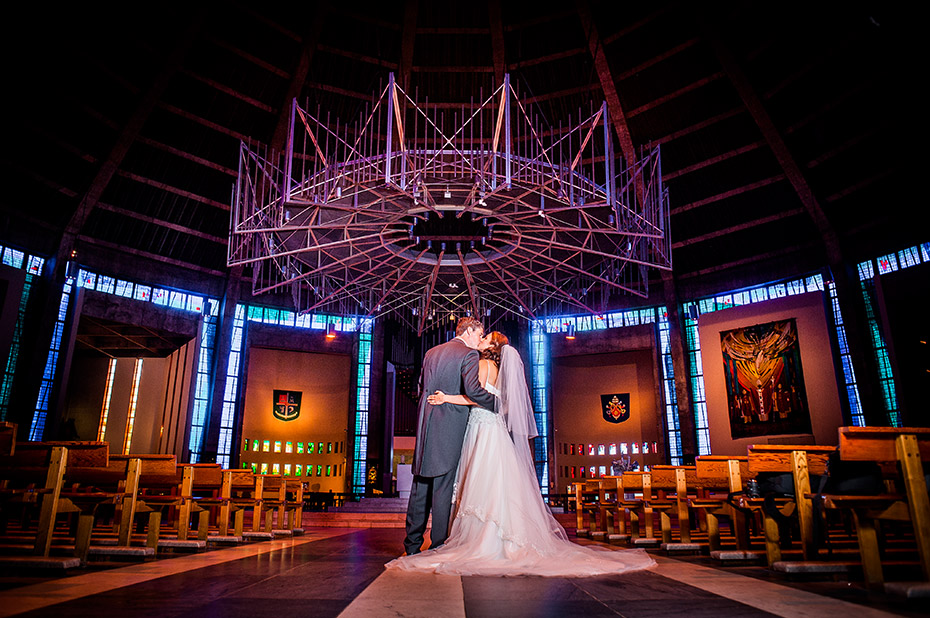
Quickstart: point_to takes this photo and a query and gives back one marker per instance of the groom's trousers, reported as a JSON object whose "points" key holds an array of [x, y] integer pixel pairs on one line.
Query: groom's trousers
{"points": [[429, 493]]}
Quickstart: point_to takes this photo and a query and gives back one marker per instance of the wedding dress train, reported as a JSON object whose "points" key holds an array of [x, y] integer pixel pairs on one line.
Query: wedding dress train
{"points": [[501, 526]]}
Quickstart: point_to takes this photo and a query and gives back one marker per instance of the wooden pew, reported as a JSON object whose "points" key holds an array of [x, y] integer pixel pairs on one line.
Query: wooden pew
{"points": [[64, 464], [274, 500], [210, 492], [801, 461], [909, 447], [671, 484], [294, 505], [594, 500], [720, 475], [634, 497], [586, 503], [7, 438], [33, 477], [246, 490], [160, 491]]}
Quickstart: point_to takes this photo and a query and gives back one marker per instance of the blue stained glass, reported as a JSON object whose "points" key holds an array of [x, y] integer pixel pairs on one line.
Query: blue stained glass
{"points": [[106, 284], [887, 263], [909, 257], [123, 288], [865, 271], [194, 303], [142, 292], [37, 427], [12, 257], [87, 279], [35, 265]]}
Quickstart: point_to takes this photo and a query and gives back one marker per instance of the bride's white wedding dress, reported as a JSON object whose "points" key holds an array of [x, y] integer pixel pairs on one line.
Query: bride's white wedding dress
{"points": [[501, 526]]}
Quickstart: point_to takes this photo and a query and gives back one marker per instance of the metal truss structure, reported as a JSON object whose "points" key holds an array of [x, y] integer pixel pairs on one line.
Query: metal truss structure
{"points": [[430, 212]]}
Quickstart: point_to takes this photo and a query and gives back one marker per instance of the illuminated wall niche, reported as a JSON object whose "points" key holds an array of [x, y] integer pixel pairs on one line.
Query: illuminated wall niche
{"points": [[312, 445]]}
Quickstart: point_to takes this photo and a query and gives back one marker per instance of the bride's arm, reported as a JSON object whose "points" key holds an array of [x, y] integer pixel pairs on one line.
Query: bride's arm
{"points": [[440, 397]]}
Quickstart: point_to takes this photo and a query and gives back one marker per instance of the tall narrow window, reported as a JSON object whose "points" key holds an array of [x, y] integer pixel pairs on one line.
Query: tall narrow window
{"points": [[105, 408], [672, 421], [133, 399], [33, 268], [363, 385], [231, 392], [37, 428], [849, 374], [204, 373], [696, 367], [886, 264], [540, 394]]}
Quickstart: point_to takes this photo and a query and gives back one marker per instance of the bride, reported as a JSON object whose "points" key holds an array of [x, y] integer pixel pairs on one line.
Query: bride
{"points": [[501, 526]]}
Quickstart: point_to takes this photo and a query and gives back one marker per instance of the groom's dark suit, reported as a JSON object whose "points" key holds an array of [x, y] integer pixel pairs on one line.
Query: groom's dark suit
{"points": [[453, 369]]}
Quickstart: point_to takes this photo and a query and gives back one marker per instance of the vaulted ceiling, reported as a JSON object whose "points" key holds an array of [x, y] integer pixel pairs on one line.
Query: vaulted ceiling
{"points": [[784, 127]]}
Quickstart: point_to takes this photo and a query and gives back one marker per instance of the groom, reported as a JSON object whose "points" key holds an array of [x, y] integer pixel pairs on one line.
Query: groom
{"points": [[453, 369]]}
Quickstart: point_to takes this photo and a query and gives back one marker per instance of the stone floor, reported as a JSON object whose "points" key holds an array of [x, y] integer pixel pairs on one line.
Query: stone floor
{"points": [[339, 572]]}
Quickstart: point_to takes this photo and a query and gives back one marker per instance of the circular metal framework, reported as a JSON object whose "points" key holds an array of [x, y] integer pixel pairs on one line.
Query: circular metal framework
{"points": [[426, 212]]}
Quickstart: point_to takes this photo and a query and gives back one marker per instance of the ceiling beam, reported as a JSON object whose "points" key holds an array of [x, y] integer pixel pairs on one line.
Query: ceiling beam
{"points": [[497, 40], [151, 256], [618, 116], [727, 194], [408, 37], [773, 138], [298, 77], [124, 141], [779, 216]]}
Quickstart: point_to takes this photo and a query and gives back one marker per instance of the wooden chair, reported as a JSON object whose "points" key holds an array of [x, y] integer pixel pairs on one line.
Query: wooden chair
{"points": [[908, 501]]}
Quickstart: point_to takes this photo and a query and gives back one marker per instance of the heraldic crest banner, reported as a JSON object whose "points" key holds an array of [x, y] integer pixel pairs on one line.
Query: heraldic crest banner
{"points": [[286, 405], [616, 407]]}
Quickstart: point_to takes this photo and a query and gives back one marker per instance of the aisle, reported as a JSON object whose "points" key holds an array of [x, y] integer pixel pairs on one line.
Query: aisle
{"points": [[333, 572]]}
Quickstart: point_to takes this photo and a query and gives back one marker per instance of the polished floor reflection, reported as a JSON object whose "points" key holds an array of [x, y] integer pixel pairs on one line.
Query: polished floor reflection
{"points": [[339, 572]]}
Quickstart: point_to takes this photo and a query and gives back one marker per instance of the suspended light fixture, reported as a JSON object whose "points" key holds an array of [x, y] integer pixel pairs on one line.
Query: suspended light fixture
{"points": [[571, 332], [534, 230], [331, 331]]}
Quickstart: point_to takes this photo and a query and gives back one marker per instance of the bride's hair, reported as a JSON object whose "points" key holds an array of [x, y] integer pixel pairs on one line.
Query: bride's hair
{"points": [[493, 351]]}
